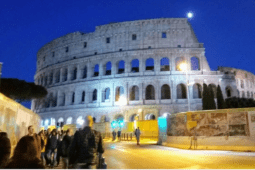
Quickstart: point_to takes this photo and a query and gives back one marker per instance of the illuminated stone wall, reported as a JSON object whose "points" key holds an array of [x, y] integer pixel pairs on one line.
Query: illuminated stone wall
{"points": [[15, 119], [66, 67]]}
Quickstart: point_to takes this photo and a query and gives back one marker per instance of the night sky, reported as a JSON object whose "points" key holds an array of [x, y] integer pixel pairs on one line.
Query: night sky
{"points": [[226, 27]]}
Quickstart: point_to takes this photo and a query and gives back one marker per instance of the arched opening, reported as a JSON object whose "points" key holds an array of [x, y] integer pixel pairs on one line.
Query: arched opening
{"points": [[242, 84], [150, 64], [45, 81], [150, 93], [51, 78], [79, 122], [238, 93], [52, 121], [108, 68], [61, 119], [178, 62], [119, 118], [94, 98], [197, 91], [103, 119], [119, 93], [57, 78], [69, 120], [150, 116], [94, 119], [214, 88], [164, 64], [134, 94], [73, 98], [135, 66], [106, 95], [195, 63], [74, 74], [181, 91], [228, 91], [243, 95], [248, 94], [165, 92], [65, 75], [134, 117], [121, 67], [96, 70], [83, 97], [84, 71], [54, 101]]}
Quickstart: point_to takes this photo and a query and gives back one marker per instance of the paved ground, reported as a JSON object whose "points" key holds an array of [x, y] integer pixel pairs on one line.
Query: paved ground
{"points": [[127, 155]]}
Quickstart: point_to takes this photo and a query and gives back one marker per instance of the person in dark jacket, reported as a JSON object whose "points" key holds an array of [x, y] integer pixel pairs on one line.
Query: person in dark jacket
{"points": [[26, 155], [5, 149], [86, 145], [59, 150], [52, 145], [119, 134], [65, 145]]}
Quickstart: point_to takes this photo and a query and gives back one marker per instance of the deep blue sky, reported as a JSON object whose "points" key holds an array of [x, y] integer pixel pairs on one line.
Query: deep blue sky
{"points": [[226, 27]]}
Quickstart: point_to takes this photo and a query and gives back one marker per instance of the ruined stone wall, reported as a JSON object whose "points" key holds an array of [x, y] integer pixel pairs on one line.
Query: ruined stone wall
{"points": [[15, 119]]}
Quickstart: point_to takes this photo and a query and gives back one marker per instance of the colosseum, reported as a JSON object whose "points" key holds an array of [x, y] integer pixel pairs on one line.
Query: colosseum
{"points": [[128, 69]]}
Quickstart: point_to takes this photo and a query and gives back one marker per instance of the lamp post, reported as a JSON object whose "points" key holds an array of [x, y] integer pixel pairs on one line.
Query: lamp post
{"points": [[184, 67]]}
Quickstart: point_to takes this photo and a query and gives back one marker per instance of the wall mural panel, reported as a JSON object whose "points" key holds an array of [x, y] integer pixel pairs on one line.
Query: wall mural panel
{"points": [[209, 124]]}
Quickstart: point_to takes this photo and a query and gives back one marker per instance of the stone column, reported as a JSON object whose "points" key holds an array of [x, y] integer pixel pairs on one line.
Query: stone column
{"points": [[127, 93], [113, 94], [68, 74], [157, 65], [78, 72], [61, 75], [101, 69], [127, 66], [114, 68], [54, 76], [87, 95], [140, 65], [173, 63]]}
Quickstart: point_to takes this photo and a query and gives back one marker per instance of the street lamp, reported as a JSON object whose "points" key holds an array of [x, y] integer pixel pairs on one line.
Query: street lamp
{"points": [[184, 67]]}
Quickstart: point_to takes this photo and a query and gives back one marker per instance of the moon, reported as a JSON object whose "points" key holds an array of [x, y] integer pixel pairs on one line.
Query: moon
{"points": [[190, 15]]}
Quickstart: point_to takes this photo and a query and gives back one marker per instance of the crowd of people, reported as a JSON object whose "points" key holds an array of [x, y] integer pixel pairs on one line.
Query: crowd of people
{"points": [[82, 150]]}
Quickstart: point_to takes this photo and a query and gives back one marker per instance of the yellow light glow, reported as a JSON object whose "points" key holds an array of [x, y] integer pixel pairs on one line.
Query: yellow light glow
{"points": [[183, 66], [140, 110]]}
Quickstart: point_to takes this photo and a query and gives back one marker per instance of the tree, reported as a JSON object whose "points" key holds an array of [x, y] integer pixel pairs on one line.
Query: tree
{"points": [[220, 100], [205, 97], [21, 90], [211, 102]]}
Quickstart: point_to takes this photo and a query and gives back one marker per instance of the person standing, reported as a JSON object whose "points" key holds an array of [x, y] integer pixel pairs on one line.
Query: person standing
{"points": [[30, 130], [113, 135], [52, 145], [86, 146], [137, 135], [119, 134], [43, 144], [59, 152], [65, 145], [5, 149]]}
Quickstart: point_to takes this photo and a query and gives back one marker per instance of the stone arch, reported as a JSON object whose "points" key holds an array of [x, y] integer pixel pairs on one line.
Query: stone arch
{"points": [[57, 76], [96, 70], [120, 67], [133, 117], [214, 88], [238, 93], [65, 75], [135, 66], [119, 117], [248, 94], [51, 78], [73, 98], [84, 72], [197, 91], [69, 120], [108, 68], [61, 119], [195, 63], [165, 92], [106, 94], [119, 92], [242, 84], [74, 73], [150, 116], [134, 94], [79, 121], [94, 119], [94, 96], [150, 93], [164, 64], [149, 64], [181, 91], [52, 121], [83, 96], [178, 62], [228, 91]]}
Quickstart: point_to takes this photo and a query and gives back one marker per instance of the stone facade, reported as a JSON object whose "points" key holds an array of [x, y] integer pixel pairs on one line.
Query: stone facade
{"points": [[85, 75]]}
